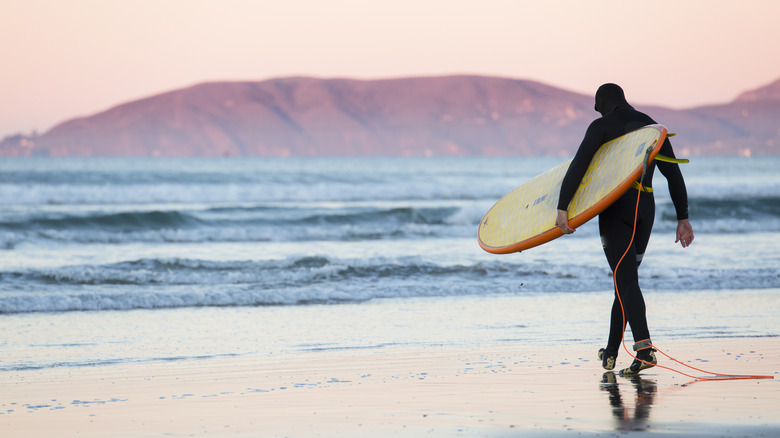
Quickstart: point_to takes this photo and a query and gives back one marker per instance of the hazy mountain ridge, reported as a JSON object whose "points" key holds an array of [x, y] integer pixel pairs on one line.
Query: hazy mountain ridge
{"points": [[447, 115]]}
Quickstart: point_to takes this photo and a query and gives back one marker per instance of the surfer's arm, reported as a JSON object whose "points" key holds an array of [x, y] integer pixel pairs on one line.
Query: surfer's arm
{"points": [[579, 165], [594, 137], [674, 178], [679, 194]]}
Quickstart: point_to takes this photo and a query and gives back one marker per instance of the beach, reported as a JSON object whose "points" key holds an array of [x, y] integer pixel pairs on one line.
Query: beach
{"points": [[347, 297], [507, 390], [466, 379]]}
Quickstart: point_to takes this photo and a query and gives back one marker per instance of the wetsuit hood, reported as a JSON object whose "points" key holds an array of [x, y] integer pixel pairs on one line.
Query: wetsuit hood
{"points": [[608, 98]]}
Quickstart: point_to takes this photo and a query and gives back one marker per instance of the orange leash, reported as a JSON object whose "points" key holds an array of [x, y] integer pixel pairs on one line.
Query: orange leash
{"points": [[712, 376]]}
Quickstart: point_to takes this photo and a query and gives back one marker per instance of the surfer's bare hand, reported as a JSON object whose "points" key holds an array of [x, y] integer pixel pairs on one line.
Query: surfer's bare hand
{"points": [[684, 233], [562, 222]]}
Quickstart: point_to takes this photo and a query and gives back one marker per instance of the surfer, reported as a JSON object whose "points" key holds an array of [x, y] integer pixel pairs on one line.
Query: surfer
{"points": [[617, 221]]}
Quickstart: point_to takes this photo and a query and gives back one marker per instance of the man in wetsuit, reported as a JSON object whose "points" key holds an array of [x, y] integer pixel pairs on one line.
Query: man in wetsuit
{"points": [[617, 221]]}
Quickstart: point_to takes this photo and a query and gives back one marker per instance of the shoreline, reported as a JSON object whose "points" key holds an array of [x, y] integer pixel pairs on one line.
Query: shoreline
{"points": [[506, 389]]}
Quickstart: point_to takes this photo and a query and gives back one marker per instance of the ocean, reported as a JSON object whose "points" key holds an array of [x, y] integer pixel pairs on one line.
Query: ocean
{"points": [[123, 260]]}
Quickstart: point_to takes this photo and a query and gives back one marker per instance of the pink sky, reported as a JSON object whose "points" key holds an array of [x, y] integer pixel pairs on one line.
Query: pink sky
{"points": [[68, 58]]}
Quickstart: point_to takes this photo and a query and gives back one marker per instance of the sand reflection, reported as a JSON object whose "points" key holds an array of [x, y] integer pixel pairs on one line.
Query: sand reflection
{"points": [[630, 398]]}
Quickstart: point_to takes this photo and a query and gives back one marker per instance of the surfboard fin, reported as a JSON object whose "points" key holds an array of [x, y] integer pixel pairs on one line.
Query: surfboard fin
{"points": [[660, 157]]}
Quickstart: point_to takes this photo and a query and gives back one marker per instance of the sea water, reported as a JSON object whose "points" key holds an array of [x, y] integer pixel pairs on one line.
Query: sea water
{"points": [[114, 260]]}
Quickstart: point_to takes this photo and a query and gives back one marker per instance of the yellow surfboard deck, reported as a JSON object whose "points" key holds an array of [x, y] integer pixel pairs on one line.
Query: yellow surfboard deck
{"points": [[525, 217]]}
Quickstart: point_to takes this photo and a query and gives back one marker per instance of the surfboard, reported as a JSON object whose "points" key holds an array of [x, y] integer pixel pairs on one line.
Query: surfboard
{"points": [[525, 217]]}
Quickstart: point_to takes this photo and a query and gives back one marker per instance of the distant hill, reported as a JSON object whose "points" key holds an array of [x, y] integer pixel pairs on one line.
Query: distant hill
{"points": [[448, 115]]}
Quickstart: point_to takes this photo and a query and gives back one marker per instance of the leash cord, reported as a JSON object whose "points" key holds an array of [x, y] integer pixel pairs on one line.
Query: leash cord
{"points": [[712, 376]]}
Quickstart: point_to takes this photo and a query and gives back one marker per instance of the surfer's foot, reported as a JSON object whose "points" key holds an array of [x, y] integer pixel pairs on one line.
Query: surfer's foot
{"points": [[608, 358], [645, 359]]}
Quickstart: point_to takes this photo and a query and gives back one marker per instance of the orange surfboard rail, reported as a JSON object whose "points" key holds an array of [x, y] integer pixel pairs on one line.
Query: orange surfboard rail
{"points": [[525, 217]]}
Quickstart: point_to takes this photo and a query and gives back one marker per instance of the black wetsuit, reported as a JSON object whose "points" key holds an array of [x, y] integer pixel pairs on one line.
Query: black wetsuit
{"points": [[616, 222]]}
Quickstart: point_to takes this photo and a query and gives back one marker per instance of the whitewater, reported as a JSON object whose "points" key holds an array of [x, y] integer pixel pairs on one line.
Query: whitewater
{"points": [[84, 241], [108, 234]]}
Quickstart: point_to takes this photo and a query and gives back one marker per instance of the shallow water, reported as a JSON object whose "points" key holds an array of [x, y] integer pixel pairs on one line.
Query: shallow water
{"points": [[35, 340], [121, 260]]}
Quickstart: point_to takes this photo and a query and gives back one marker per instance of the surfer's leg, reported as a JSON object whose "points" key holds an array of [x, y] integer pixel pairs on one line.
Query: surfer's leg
{"points": [[608, 355], [644, 226], [616, 227], [617, 326], [645, 354], [609, 225]]}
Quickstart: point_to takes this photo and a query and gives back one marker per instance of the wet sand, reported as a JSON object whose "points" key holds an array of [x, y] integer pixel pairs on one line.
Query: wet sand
{"points": [[497, 390]]}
